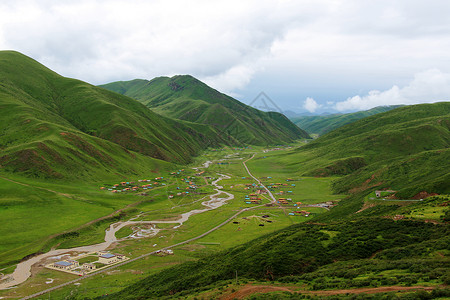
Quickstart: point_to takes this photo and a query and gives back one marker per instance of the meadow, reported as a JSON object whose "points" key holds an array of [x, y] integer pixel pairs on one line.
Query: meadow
{"points": [[157, 206]]}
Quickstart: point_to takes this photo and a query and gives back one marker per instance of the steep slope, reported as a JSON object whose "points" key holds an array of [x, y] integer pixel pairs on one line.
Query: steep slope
{"points": [[323, 124], [54, 126], [186, 98], [319, 256], [405, 149]]}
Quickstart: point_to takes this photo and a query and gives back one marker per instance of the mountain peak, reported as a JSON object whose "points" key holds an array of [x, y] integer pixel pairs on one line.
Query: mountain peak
{"points": [[186, 98]]}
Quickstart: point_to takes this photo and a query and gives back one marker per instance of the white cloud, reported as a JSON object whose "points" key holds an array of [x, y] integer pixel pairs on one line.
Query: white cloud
{"points": [[301, 47], [426, 87], [311, 105], [106, 40], [234, 78]]}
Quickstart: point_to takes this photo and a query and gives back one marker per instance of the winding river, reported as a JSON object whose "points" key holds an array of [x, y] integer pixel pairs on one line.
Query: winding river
{"points": [[23, 269]]}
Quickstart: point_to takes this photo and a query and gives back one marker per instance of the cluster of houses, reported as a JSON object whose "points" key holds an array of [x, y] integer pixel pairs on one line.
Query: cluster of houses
{"points": [[191, 185], [73, 266], [284, 201], [177, 172], [133, 186], [164, 252], [273, 186], [148, 184], [252, 199], [254, 186], [303, 213]]}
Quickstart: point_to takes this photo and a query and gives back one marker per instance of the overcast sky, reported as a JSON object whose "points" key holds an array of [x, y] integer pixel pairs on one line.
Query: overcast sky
{"points": [[311, 56]]}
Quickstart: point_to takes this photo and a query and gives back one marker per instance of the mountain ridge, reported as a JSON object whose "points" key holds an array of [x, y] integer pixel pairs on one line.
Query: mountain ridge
{"points": [[80, 123], [186, 98], [322, 124]]}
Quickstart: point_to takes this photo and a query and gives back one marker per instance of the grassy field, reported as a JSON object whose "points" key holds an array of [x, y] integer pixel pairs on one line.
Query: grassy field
{"points": [[157, 205], [31, 216], [240, 230]]}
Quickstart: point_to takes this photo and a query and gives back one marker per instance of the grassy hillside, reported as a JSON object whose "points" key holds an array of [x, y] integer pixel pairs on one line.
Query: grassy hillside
{"points": [[316, 257], [323, 124], [52, 126], [406, 149], [186, 98]]}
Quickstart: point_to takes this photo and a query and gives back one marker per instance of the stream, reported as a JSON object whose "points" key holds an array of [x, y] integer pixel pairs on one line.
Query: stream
{"points": [[23, 269]]}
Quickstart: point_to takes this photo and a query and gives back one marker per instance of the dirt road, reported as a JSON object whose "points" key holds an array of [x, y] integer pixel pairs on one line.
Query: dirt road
{"points": [[23, 269], [274, 201]]}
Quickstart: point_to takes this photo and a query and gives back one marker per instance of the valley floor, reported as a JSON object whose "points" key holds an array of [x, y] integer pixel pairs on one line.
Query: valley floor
{"points": [[228, 197], [181, 223]]}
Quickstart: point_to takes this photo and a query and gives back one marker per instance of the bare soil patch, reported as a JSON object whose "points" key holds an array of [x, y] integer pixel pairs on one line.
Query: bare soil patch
{"points": [[248, 290]]}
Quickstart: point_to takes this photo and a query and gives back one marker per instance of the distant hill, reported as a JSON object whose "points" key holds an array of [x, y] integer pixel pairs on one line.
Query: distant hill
{"points": [[326, 123], [405, 149], [52, 126], [185, 98]]}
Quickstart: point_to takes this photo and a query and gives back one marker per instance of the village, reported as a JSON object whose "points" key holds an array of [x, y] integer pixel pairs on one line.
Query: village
{"points": [[141, 187], [87, 263], [258, 191], [183, 182], [183, 196]]}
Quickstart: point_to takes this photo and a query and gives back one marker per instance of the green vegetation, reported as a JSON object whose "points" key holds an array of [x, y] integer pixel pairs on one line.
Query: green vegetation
{"points": [[186, 98], [306, 254], [401, 150], [401, 252], [349, 238], [124, 232], [437, 293], [323, 124], [57, 127]]}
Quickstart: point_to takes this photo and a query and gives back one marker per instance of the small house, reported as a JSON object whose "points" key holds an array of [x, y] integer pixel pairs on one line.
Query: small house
{"points": [[66, 264], [109, 258], [89, 266]]}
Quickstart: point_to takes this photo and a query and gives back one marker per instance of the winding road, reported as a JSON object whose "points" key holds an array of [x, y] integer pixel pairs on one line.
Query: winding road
{"points": [[23, 269]]}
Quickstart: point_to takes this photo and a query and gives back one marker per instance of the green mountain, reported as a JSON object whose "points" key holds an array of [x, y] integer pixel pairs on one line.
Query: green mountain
{"points": [[186, 98], [405, 149], [53, 126], [323, 124]]}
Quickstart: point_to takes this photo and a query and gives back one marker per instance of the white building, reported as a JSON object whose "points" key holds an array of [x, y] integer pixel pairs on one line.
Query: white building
{"points": [[66, 264], [109, 258], [88, 266]]}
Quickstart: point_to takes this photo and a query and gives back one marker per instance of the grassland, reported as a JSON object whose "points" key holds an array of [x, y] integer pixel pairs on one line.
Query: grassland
{"points": [[308, 190], [157, 206], [34, 219]]}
